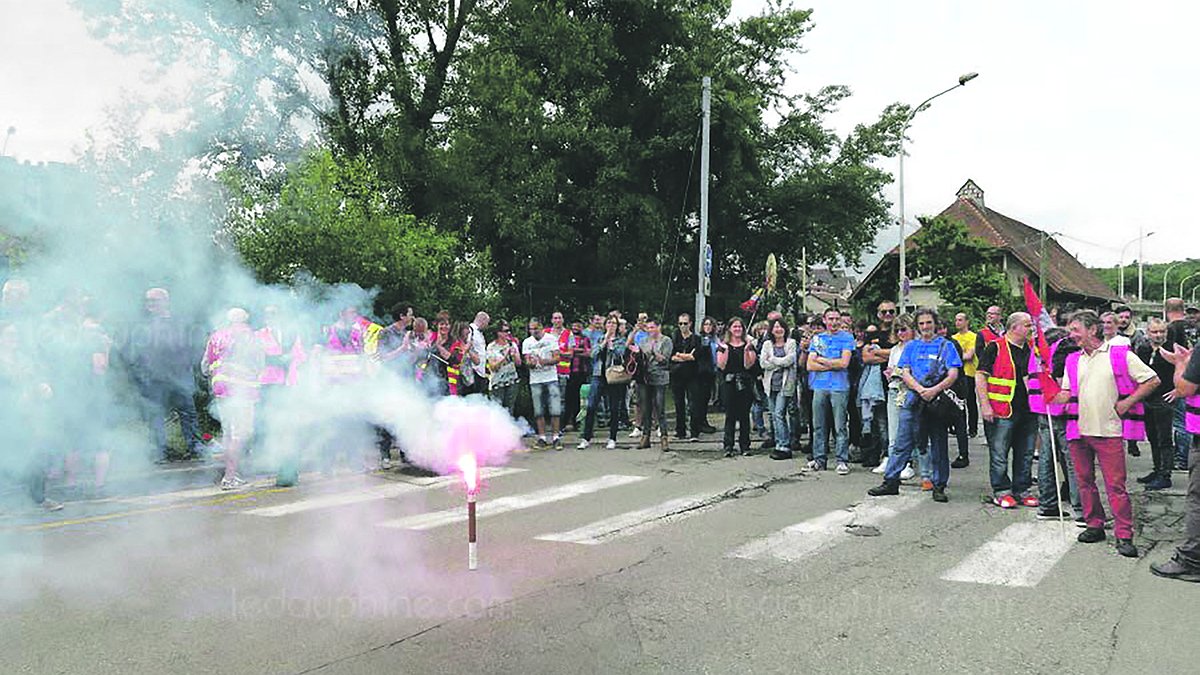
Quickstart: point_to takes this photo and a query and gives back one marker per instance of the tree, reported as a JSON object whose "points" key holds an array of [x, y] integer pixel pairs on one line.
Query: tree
{"points": [[963, 268], [332, 219], [544, 130]]}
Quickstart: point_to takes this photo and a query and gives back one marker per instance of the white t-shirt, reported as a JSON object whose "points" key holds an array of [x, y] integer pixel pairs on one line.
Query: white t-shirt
{"points": [[543, 349]]}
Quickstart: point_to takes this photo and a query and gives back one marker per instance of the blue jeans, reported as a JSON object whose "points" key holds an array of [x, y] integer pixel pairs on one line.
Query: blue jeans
{"points": [[825, 401], [914, 431], [1019, 433], [1047, 481], [780, 422], [547, 399], [1183, 439]]}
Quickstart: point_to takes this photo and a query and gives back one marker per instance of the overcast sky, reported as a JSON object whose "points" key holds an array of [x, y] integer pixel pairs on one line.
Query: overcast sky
{"points": [[1081, 122]]}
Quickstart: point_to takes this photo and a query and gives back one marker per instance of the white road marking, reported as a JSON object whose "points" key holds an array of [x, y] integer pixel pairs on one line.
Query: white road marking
{"points": [[194, 493], [1020, 555], [635, 522], [493, 507], [825, 531], [372, 493]]}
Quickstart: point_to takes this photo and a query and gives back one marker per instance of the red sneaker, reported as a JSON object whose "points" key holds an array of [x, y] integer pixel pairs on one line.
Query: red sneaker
{"points": [[926, 485], [1005, 502], [1030, 501]]}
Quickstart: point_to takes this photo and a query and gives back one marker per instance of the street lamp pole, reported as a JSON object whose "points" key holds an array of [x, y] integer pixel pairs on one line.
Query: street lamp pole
{"points": [[1140, 237], [903, 291], [1185, 280], [7, 135], [1167, 275]]}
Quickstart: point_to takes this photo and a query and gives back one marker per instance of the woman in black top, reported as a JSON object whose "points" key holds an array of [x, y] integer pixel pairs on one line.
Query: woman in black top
{"points": [[735, 357]]}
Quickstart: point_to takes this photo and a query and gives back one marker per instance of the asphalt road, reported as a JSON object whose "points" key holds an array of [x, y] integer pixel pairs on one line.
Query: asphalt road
{"points": [[590, 561]]}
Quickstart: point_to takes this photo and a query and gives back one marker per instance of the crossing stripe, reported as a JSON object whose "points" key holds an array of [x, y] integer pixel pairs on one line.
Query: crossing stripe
{"points": [[372, 493], [634, 522], [825, 531], [494, 507], [191, 493], [1020, 555]]}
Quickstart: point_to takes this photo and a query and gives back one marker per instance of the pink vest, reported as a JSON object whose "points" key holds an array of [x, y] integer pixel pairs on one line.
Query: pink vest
{"points": [[354, 342], [271, 347], [1037, 403], [233, 359], [1133, 424]]}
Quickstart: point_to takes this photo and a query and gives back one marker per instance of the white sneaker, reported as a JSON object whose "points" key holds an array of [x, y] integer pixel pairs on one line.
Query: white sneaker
{"points": [[881, 469], [583, 444], [636, 433], [658, 434], [385, 464], [907, 473], [813, 465], [843, 469], [611, 445]]}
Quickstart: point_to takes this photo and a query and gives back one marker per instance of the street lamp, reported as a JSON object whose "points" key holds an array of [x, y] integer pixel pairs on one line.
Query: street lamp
{"points": [[7, 135], [1185, 280], [1140, 237], [963, 80], [1167, 275]]}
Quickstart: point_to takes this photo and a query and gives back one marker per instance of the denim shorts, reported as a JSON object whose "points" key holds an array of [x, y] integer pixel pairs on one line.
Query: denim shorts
{"points": [[546, 395]]}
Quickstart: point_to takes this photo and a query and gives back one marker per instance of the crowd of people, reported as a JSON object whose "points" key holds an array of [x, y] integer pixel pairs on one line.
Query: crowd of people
{"points": [[888, 392]]}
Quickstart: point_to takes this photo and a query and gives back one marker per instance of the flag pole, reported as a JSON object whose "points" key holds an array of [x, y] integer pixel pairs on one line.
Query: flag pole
{"points": [[1062, 519]]}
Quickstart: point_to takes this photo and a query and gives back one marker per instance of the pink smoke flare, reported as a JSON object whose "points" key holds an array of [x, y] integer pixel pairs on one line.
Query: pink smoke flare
{"points": [[469, 467]]}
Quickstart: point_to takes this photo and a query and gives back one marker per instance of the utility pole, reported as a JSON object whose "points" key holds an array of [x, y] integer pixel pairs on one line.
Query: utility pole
{"points": [[704, 268], [1042, 270], [804, 281], [1141, 256]]}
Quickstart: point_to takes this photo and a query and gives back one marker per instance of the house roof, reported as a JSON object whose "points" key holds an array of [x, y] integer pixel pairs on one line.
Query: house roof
{"points": [[1065, 275]]}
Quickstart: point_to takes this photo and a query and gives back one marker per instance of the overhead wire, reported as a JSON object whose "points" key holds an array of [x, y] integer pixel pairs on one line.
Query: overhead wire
{"points": [[682, 218]]}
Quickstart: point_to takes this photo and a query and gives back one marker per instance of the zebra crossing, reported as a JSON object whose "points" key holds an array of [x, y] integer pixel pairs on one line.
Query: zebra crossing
{"points": [[1022, 554]]}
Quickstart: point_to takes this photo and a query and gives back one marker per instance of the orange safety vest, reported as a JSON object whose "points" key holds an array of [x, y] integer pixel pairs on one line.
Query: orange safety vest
{"points": [[563, 367], [990, 335], [1002, 381]]}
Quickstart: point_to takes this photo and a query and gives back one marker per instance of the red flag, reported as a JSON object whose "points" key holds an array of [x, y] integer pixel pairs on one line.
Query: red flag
{"points": [[1041, 321]]}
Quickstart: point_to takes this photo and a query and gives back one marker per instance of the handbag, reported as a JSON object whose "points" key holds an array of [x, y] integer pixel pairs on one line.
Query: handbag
{"points": [[619, 373], [947, 407]]}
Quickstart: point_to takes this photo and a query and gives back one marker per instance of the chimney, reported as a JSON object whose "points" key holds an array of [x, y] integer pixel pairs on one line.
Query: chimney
{"points": [[971, 192]]}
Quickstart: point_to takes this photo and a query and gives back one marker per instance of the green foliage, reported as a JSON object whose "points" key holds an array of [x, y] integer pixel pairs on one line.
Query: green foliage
{"points": [[1153, 278], [964, 269], [562, 136], [334, 220]]}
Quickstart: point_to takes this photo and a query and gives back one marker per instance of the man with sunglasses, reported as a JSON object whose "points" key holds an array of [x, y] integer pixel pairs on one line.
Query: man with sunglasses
{"points": [[685, 380], [876, 350]]}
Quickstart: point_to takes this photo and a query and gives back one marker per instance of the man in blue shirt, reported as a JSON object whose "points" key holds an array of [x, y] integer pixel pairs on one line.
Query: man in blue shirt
{"points": [[828, 377], [929, 365]]}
